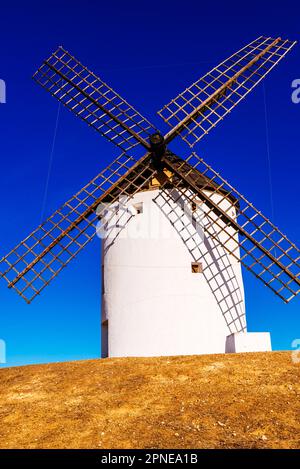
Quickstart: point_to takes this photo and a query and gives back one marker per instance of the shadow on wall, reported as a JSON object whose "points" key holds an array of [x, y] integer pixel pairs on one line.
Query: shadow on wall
{"points": [[217, 267]]}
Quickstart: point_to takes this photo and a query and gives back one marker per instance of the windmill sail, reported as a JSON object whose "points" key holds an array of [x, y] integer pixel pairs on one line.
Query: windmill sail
{"points": [[39, 258], [193, 113], [260, 246], [96, 103]]}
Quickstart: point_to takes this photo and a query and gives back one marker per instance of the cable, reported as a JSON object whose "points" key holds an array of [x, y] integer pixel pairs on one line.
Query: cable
{"points": [[50, 164], [268, 155], [269, 160]]}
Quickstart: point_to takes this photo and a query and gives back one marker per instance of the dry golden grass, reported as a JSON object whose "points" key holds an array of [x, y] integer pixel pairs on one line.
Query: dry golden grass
{"points": [[213, 401]]}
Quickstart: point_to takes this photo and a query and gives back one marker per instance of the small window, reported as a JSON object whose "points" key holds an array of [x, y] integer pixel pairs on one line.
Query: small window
{"points": [[194, 207], [137, 208], [197, 267]]}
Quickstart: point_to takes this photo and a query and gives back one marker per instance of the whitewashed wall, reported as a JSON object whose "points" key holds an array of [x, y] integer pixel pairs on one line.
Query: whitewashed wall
{"points": [[152, 302]]}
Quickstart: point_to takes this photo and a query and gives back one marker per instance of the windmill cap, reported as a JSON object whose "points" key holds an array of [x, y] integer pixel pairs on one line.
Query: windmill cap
{"points": [[156, 138]]}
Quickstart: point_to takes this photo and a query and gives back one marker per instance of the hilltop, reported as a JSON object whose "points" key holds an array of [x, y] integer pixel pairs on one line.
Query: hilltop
{"points": [[214, 401]]}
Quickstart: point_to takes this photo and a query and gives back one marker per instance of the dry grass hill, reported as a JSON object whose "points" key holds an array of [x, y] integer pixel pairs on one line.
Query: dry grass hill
{"points": [[213, 401]]}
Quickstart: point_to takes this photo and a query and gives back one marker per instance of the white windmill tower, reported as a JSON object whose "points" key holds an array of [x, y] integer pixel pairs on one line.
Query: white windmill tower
{"points": [[175, 233], [168, 287]]}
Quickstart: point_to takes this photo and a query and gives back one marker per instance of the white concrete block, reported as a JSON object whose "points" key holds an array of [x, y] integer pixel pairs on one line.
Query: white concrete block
{"points": [[248, 342]]}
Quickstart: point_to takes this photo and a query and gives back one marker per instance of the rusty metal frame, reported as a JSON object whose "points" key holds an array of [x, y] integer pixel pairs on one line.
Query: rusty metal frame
{"points": [[255, 241], [72, 226], [259, 240], [96, 103], [193, 113]]}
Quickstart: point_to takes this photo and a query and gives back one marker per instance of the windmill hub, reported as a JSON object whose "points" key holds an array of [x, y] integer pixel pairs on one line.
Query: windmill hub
{"points": [[158, 147]]}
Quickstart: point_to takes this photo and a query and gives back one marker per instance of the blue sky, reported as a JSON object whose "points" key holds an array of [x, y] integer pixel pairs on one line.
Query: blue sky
{"points": [[148, 52]]}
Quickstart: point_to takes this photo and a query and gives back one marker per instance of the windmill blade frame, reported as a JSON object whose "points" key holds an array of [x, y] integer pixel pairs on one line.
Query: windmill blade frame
{"points": [[40, 257], [231, 219], [91, 99], [198, 109], [263, 250]]}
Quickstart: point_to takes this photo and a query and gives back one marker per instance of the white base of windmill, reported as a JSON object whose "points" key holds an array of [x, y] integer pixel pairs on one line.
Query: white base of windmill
{"points": [[240, 342], [153, 304]]}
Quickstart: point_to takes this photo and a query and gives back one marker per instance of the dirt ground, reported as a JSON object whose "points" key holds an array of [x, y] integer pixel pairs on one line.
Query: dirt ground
{"points": [[213, 401]]}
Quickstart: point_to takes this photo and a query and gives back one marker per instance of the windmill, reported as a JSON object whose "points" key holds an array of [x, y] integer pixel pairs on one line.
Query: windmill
{"points": [[179, 291]]}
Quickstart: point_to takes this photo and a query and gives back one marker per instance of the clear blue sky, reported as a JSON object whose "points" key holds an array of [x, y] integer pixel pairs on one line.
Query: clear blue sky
{"points": [[148, 51]]}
